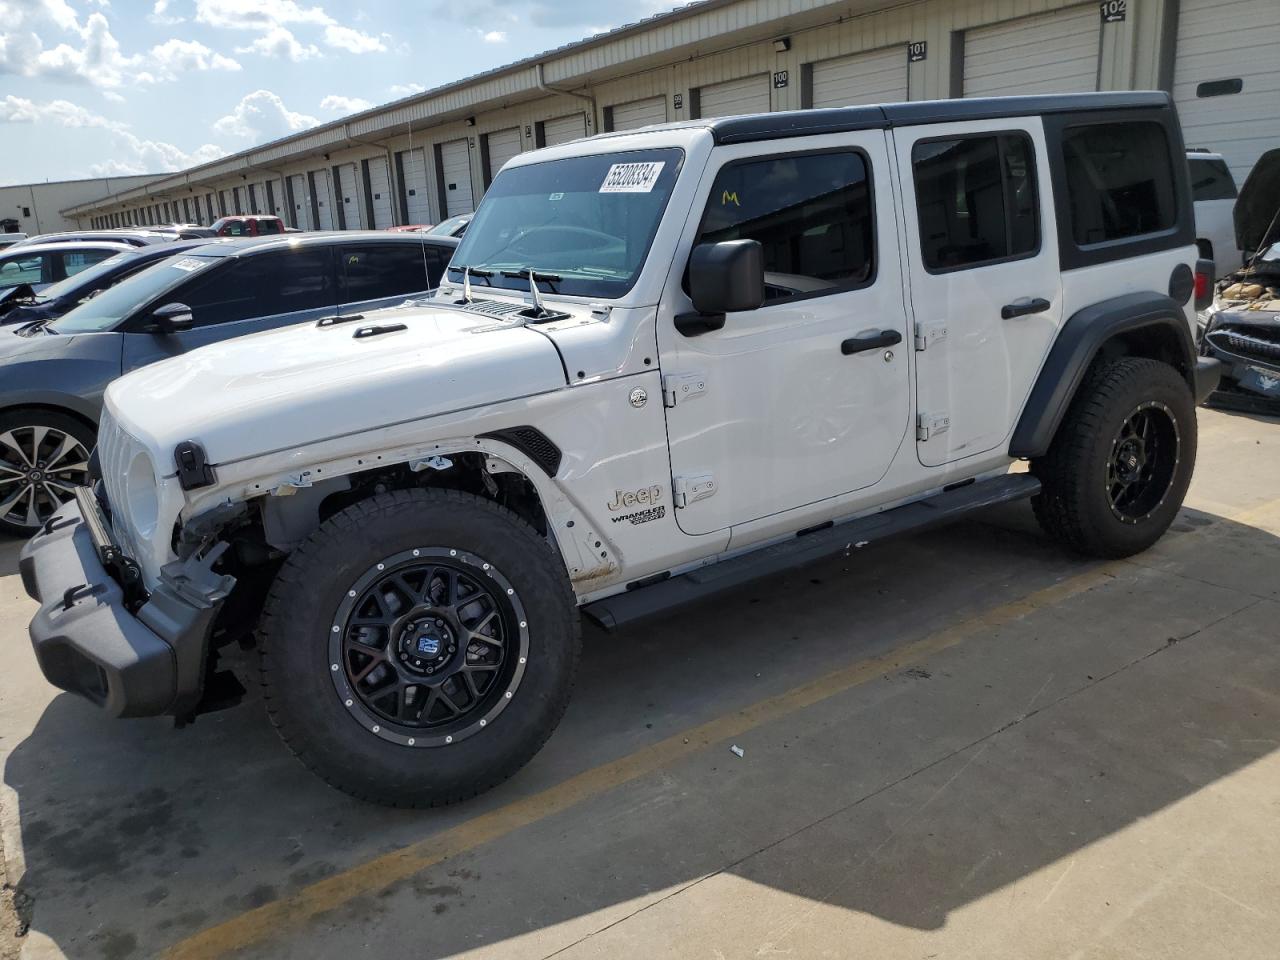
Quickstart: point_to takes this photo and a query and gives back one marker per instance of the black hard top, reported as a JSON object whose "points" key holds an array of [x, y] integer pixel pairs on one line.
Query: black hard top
{"points": [[808, 123]]}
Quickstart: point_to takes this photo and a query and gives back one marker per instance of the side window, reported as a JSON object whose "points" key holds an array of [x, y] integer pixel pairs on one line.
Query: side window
{"points": [[377, 270], [73, 263], [437, 259], [34, 269], [268, 226], [261, 286], [811, 213], [1119, 181], [1211, 180], [236, 228], [976, 200]]}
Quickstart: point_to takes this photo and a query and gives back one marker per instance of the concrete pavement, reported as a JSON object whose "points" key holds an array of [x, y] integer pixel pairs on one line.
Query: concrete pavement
{"points": [[959, 744]]}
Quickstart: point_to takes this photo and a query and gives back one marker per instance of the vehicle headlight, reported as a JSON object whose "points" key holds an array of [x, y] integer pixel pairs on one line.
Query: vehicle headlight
{"points": [[141, 496]]}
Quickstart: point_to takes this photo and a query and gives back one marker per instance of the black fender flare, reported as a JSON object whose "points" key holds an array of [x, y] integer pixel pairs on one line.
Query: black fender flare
{"points": [[1075, 348]]}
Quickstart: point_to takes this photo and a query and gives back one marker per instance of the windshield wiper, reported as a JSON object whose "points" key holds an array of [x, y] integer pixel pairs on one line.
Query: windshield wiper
{"points": [[533, 276]]}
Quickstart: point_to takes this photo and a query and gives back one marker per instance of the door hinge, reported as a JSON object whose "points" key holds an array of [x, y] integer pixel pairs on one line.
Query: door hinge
{"points": [[930, 333], [682, 386], [687, 490], [930, 425]]}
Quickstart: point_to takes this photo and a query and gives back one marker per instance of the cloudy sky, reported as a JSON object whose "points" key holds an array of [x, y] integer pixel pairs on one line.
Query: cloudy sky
{"points": [[94, 87]]}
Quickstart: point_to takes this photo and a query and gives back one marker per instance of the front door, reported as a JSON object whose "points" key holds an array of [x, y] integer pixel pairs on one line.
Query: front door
{"points": [[252, 293], [986, 291], [788, 405]]}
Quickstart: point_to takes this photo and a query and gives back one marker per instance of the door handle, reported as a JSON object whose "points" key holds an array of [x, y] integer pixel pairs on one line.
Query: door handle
{"points": [[1024, 307], [870, 341]]}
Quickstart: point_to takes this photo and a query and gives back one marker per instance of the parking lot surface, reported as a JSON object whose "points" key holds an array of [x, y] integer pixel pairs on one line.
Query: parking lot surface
{"points": [[962, 744]]}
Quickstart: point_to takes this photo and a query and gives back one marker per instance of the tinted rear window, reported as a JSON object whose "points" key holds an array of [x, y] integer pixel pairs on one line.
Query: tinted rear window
{"points": [[1211, 180], [376, 270], [1119, 181]]}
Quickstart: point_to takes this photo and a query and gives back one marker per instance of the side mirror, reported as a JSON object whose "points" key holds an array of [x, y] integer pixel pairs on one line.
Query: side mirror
{"points": [[172, 318], [725, 277]]}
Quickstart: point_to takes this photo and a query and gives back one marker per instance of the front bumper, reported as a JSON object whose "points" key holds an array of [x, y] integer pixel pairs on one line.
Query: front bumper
{"points": [[86, 639]]}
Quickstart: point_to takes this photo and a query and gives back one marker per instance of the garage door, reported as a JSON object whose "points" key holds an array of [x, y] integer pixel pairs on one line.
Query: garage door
{"points": [[300, 213], [876, 77], [321, 200], [502, 146], [455, 169], [564, 129], [416, 196], [748, 95], [639, 113], [380, 193], [349, 197], [1229, 40], [1049, 53]]}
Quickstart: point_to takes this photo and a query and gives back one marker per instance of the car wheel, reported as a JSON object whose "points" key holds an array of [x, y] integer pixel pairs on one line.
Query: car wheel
{"points": [[44, 456], [1119, 467], [419, 648]]}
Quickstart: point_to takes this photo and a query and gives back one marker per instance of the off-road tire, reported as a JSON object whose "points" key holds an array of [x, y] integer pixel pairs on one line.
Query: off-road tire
{"points": [[22, 419], [299, 615], [1074, 505]]}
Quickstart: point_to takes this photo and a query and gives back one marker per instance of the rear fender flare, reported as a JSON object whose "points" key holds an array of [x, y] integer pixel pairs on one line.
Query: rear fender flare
{"points": [[1079, 342]]}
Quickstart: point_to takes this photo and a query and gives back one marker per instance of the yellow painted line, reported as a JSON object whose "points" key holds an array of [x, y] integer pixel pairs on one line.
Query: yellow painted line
{"points": [[270, 920]]}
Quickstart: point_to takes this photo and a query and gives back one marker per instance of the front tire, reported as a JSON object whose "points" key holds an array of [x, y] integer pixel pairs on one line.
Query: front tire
{"points": [[44, 456], [419, 648], [1118, 469]]}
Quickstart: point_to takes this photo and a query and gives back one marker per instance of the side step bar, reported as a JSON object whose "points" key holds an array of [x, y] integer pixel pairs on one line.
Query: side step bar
{"points": [[656, 596]]}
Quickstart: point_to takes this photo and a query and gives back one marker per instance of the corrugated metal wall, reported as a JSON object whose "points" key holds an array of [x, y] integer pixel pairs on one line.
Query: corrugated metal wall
{"points": [[696, 48]]}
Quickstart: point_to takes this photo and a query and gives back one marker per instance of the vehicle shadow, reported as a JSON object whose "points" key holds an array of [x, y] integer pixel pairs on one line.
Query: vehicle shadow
{"points": [[136, 836]]}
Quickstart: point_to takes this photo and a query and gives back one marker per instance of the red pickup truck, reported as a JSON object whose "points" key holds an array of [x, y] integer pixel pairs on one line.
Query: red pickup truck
{"points": [[248, 226]]}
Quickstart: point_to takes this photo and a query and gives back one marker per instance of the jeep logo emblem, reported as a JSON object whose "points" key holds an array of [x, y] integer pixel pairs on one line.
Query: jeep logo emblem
{"points": [[644, 497]]}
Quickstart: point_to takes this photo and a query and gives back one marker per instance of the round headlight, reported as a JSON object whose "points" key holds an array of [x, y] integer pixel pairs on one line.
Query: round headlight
{"points": [[141, 495]]}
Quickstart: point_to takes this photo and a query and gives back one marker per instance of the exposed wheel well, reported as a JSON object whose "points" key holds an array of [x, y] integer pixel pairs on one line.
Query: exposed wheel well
{"points": [[1156, 341], [90, 425]]}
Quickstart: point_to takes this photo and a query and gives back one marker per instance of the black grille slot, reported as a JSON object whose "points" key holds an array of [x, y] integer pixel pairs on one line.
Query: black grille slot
{"points": [[1253, 345], [534, 444]]}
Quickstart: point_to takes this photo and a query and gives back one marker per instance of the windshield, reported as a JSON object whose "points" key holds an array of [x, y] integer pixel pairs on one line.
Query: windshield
{"points": [[85, 280], [111, 306], [585, 222], [447, 228]]}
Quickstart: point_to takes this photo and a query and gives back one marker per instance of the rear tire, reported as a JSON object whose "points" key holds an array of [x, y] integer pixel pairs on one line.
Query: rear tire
{"points": [[1118, 469], [419, 648], [44, 455]]}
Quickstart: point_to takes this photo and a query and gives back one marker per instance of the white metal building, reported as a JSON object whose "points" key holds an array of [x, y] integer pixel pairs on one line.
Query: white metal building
{"points": [[432, 155], [33, 208]]}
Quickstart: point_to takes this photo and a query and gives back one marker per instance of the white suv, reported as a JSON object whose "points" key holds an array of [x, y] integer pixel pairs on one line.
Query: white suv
{"points": [[667, 361], [1213, 192]]}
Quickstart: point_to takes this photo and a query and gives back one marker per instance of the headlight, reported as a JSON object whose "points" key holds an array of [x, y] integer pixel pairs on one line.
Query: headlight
{"points": [[141, 498]]}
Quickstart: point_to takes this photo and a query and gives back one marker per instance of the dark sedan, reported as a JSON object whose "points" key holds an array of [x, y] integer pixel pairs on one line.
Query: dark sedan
{"points": [[65, 295], [53, 374]]}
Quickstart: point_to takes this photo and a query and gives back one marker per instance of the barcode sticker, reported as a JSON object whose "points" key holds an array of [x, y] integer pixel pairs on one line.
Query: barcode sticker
{"points": [[190, 264], [632, 177]]}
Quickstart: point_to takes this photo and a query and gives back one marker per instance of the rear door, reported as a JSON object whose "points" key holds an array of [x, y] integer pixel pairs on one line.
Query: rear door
{"points": [[455, 173], [984, 277], [373, 275], [247, 295]]}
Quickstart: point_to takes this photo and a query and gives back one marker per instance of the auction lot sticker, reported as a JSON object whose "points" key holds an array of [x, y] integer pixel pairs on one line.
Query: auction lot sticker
{"points": [[632, 177]]}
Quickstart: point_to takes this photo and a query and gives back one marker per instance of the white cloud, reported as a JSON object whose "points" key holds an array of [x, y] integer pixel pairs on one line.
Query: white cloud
{"points": [[281, 44], [160, 14], [134, 154], [353, 41], [340, 104], [20, 13], [494, 36], [97, 61], [174, 57], [405, 89], [112, 96], [262, 116]]}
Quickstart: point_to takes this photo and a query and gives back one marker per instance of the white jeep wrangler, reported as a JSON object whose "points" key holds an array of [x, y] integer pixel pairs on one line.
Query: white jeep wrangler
{"points": [[664, 362]]}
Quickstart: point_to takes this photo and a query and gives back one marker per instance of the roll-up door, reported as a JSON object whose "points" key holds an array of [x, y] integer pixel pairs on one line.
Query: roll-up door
{"points": [[455, 173], [322, 200], [301, 211], [1227, 45], [380, 193], [734, 98], [876, 77], [564, 129], [349, 197], [414, 193], [1049, 53], [639, 113], [502, 146], [255, 191]]}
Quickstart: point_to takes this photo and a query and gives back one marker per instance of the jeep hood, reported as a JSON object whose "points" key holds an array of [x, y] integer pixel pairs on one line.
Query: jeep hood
{"points": [[298, 385], [1258, 203]]}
